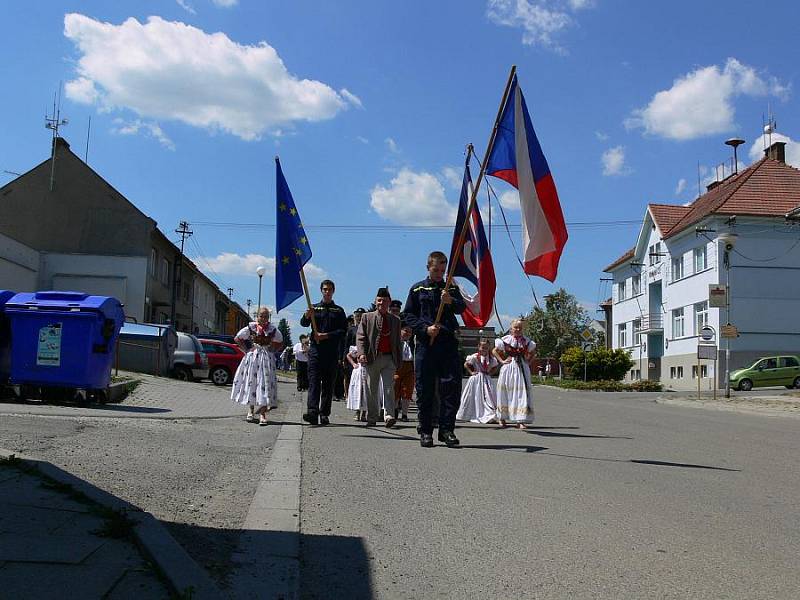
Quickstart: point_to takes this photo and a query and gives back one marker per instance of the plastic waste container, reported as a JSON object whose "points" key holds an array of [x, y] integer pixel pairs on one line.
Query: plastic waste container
{"points": [[147, 348], [5, 338], [63, 339]]}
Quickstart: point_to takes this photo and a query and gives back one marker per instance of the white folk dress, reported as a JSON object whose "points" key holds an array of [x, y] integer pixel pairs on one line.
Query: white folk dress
{"points": [[478, 401], [514, 390], [357, 392], [256, 381]]}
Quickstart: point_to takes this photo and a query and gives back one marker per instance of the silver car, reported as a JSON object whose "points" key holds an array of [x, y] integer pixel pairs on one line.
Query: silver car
{"points": [[191, 362]]}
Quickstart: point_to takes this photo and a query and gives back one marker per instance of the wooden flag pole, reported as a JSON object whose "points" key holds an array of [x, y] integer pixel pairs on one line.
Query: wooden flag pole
{"points": [[474, 195], [308, 300]]}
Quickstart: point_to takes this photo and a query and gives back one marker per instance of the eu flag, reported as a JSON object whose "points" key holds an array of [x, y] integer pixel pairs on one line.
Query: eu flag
{"points": [[292, 250]]}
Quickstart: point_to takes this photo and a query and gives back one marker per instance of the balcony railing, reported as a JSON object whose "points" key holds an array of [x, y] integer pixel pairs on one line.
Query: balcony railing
{"points": [[652, 322]]}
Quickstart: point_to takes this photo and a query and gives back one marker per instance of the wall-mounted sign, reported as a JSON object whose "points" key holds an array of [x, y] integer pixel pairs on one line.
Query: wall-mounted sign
{"points": [[717, 295]]}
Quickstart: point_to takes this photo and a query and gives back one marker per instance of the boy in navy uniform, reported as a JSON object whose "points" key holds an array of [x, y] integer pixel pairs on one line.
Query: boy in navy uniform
{"points": [[324, 353], [436, 352]]}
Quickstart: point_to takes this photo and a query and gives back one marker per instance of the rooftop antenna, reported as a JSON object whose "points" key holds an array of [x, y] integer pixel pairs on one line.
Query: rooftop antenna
{"points": [[53, 123], [735, 143], [770, 128]]}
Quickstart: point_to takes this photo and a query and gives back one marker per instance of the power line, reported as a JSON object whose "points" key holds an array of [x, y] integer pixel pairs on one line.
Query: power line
{"points": [[409, 228]]}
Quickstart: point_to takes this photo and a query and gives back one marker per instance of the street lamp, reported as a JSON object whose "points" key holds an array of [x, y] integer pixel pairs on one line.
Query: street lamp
{"points": [[728, 241], [260, 272]]}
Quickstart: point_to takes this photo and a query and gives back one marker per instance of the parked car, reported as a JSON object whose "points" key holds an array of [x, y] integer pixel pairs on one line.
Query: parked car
{"points": [[190, 361], [768, 371], [223, 360]]}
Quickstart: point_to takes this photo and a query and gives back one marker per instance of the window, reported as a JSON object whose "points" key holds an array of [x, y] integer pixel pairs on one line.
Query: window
{"points": [[676, 372], [621, 291], [700, 259], [677, 268], [164, 274], [654, 253], [703, 371], [677, 323], [153, 262], [700, 316], [789, 361], [637, 335], [636, 374], [622, 339], [636, 285]]}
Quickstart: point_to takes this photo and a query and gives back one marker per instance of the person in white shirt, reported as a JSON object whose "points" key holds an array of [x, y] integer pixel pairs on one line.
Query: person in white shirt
{"points": [[300, 350], [514, 391]]}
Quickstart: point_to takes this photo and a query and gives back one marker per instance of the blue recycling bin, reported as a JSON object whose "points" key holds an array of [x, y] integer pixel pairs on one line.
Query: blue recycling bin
{"points": [[63, 339], [5, 338]]}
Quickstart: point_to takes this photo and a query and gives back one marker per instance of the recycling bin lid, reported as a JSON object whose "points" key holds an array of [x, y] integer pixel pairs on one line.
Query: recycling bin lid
{"points": [[69, 301], [5, 295]]}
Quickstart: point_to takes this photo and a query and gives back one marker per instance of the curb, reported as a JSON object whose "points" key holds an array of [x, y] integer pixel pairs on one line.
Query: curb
{"points": [[181, 573], [272, 525]]}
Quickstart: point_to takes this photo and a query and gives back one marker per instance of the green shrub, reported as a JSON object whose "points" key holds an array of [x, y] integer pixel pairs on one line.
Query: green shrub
{"points": [[601, 363], [606, 385]]}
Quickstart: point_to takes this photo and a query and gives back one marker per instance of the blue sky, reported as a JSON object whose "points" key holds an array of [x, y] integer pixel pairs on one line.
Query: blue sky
{"points": [[370, 106]]}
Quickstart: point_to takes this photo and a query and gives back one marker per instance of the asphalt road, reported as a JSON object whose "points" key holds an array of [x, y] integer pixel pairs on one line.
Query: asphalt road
{"points": [[607, 496]]}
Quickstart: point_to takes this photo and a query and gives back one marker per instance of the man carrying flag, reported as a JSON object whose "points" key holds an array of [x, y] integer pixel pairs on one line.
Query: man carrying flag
{"points": [[328, 319], [473, 262]]}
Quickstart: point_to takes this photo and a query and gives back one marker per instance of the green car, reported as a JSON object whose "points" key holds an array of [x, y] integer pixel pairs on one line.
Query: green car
{"points": [[772, 370]]}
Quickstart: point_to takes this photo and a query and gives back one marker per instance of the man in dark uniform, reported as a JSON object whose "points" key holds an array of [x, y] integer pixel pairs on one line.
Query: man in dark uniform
{"points": [[436, 352], [324, 354]]}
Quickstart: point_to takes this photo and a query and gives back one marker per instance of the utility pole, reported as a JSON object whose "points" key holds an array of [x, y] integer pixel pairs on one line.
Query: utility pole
{"points": [[230, 293], [185, 232]]}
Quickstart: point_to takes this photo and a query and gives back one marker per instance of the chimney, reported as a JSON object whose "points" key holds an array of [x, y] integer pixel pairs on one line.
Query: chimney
{"points": [[777, 151]]}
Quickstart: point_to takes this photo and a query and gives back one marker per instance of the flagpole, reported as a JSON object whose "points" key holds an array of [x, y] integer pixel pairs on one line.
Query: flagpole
{"points": [[308, 300], [474, 195]]}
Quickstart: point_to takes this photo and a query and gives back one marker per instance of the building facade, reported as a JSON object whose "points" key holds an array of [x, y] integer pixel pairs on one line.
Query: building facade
{"points": [[69, 229], [736, 234]]}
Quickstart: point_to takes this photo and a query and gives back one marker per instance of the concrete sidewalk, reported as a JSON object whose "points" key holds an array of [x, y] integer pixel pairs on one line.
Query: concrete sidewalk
{"points": [[56, 543]]}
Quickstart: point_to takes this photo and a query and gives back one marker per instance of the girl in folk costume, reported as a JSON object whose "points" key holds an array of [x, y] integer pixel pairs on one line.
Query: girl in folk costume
{"points": [[514, 391], [357, 390], [256, 381], [478, 403]]}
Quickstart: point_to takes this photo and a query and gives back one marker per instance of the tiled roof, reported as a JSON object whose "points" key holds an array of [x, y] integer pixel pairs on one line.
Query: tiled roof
{"points": [[625, 257], [768, 188], [667, 216]]}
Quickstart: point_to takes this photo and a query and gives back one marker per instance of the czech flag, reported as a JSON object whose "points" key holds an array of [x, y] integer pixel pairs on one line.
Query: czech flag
{"points": [[474, 262], [517, 157]]}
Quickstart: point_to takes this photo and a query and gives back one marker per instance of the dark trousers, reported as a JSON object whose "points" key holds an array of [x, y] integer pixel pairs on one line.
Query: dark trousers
{"points": [[440, 360], [302, 375], [322, 367]]}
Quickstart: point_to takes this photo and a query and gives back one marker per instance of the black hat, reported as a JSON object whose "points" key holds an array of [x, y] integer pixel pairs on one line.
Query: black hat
{"points": [[396, 303], [383, 292], [359, 310]]}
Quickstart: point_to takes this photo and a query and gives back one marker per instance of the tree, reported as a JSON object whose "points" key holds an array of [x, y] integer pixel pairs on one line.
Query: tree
{"points": [[286, 332], [558, 325]]}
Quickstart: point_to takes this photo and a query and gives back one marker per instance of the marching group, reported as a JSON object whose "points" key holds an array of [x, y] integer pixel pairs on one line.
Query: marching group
{"points": [[390, 352]]}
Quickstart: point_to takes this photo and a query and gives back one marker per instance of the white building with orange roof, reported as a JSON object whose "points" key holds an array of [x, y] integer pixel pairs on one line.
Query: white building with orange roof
{"points": [[741, 229]]}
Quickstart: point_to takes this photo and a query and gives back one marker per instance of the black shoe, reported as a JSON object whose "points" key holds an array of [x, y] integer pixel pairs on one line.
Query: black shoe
{"points": [[311, 418], [426, 440], [449, 438], [323, 420]]}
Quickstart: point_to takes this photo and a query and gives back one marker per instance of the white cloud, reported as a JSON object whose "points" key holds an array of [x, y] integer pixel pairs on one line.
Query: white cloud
{"points": [[453, 177], [362, 139], [792, 148], [540, 20], [392, 145], [600, 135], [510, 200], [231, 263], [186, 6], [681, 187], [413, 199], [613, 161], [701, 102], [351, 98], [225, 3], [148, 128], [172, 71]]}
